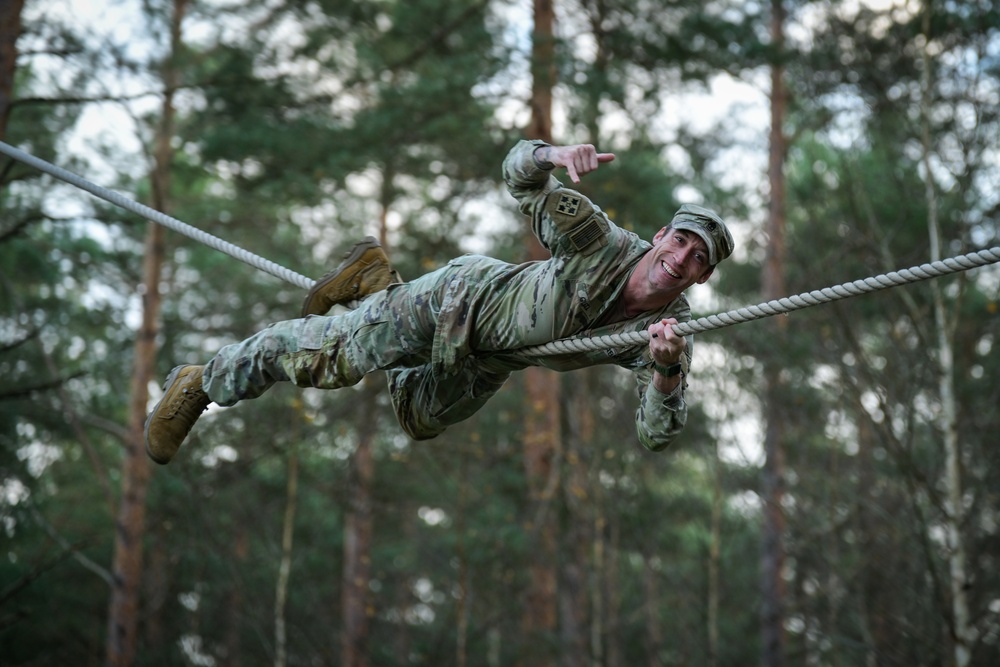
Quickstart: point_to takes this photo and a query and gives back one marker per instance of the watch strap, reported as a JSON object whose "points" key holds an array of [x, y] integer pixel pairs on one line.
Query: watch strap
{"points": [[668, 371]]}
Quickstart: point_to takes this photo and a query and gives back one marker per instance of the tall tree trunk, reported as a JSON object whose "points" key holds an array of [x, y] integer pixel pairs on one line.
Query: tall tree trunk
{"points": [[10, 30], [872, 617], [651, 610], [235, 600], [285, 567], [402, 635], [462, 603], [156, 589], [359, 519], [358, 531], [613, 594], [130, 525], [714, 557], [772, 543], [579, 497], [543, 70], [597, 584], [541, 426], [962, 630]]}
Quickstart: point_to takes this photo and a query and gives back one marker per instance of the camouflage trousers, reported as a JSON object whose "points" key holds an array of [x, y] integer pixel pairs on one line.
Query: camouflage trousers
{"points": [[392, 330]]}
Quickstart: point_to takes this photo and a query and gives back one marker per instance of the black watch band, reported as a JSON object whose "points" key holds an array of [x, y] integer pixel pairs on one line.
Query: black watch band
{"points": [[668, 371]]}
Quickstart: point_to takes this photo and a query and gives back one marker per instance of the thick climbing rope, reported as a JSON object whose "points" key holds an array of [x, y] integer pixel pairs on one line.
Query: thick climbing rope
{"points": [[159, 218], [913, 274]]}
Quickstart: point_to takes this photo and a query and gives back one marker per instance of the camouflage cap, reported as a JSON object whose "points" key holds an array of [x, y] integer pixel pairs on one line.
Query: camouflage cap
{"points": [[709, 226]]}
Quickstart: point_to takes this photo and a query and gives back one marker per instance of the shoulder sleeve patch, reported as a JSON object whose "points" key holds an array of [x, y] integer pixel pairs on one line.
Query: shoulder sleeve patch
{"points": [[569, 204], [574, 216]]}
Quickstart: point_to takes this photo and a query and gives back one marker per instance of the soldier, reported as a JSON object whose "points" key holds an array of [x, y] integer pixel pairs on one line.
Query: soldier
{"points": [[450, 339]]}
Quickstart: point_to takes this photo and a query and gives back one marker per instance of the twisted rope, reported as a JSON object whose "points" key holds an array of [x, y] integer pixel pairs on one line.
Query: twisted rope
{"points": [[785, 305], [914, 274], [159, 218]]}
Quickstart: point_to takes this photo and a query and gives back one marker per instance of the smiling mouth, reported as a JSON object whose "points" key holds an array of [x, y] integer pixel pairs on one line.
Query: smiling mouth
{"points": [[670, 272]]}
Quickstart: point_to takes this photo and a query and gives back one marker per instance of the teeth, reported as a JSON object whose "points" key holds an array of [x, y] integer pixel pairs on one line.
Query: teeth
{"points": [[669, 270]]}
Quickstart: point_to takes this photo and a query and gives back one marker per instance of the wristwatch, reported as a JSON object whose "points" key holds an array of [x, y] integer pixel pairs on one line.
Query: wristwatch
{"points": [[668, 371]]}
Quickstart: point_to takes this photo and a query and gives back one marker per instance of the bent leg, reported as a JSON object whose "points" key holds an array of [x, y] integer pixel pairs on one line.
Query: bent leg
{"points": [[426, 404], [392, 328]]}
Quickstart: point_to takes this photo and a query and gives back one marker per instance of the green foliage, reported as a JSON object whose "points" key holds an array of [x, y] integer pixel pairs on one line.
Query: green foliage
{"points": [[301, 127]]}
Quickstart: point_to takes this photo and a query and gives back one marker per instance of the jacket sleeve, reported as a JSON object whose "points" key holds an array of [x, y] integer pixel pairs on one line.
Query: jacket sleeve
{"points": [[526, 180], [661, 417], [564, 221]]}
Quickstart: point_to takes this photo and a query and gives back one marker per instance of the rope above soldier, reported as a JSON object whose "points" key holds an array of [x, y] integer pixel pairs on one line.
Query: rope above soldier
{"points": [[450, 339]]}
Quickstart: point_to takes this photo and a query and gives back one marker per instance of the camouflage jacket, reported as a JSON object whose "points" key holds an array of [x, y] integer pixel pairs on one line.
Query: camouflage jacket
{"points": [[491, 309]]}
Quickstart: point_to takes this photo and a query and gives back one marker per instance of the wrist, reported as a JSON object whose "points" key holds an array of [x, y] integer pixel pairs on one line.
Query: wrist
{"points": [[668, 370], [541, 157], [668, 386]]}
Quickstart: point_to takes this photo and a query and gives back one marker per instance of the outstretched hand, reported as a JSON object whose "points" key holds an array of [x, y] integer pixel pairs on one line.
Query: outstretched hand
{"points": [[578, 160]]}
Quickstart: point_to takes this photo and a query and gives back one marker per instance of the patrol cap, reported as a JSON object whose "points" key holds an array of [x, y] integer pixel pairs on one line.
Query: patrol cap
{"points": [[709, 226]]}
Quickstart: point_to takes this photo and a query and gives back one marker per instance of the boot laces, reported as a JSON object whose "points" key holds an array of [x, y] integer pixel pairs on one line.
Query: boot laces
{"points": [[190, 404]]}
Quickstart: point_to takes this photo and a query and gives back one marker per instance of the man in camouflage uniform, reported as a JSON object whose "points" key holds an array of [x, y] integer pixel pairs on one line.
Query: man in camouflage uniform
{"points": [[450, 339]]}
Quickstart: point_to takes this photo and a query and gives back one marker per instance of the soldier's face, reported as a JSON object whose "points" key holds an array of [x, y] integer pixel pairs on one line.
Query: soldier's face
{"points": [[679, 260]]}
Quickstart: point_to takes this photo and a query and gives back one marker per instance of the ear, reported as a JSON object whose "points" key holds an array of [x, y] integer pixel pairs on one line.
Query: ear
{"points": [[660, 234], [705, 276]]}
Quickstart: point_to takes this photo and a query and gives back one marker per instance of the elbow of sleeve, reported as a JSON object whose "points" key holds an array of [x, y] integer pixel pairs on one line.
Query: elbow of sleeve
{"points": [[656, 444], [658, 423]]}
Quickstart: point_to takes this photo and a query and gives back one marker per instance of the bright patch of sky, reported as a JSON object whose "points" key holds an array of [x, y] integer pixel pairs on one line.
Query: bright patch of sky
{"points": [[117, 22]]}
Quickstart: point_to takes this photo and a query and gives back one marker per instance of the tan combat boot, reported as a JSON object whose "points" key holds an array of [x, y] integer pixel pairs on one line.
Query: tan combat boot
{"points": [[364, 270], [171, 420]]}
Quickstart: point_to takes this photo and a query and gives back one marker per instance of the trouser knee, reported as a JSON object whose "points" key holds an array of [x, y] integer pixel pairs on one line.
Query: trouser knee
{"points": [[305, 352]]}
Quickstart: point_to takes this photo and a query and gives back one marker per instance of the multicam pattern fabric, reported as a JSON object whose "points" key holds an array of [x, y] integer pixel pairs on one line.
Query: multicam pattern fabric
{"points": [[452, 337]]}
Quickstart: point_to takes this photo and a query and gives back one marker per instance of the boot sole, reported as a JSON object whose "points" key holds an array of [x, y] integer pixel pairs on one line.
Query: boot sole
{"points": [[359, 249], [171, 378]]}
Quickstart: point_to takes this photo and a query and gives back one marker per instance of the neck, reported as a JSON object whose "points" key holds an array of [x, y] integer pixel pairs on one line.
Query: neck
{"points": [[637, 298]]}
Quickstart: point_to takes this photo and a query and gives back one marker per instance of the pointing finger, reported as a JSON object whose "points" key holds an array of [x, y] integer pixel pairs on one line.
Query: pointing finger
{"points": [[571, 170]]}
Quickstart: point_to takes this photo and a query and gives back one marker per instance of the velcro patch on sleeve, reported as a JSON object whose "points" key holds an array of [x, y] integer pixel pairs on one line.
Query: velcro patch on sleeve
{"points": [[593, 232], [568, 208], [574, 215]]}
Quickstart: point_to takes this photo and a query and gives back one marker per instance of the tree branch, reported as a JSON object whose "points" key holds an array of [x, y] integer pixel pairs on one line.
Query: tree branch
{"points": [[23, 392], [73, 549]]}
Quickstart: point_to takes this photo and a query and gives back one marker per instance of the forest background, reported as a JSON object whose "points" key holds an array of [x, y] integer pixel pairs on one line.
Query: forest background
{"points": [[833, 501]]}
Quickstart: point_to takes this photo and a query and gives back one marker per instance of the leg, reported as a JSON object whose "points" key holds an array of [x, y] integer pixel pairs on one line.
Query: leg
{"points": [[389, 329], [392, 328], [426, 404]]}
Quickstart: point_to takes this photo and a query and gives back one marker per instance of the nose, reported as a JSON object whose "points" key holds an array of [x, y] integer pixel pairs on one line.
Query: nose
{"points": [[682, 255]]}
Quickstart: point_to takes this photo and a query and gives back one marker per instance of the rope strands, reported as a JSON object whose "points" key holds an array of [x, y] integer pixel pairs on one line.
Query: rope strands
{"points": [[159, 218], [914, 274]]}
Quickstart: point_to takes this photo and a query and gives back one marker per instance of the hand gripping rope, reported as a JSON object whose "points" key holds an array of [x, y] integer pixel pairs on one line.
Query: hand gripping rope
{"points": [[914, 274]]}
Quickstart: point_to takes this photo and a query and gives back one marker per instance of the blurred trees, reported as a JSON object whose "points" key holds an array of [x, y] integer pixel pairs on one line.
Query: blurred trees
{"points": [[300, 127]]}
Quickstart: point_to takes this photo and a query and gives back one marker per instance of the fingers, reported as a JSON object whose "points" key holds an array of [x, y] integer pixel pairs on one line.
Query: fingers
{"points": [[664, 344], [665, 326], [581, 159], [573, 174]]}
